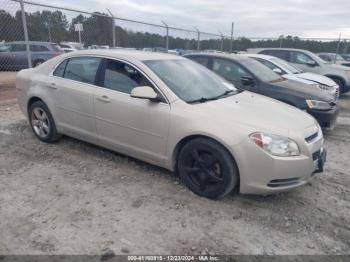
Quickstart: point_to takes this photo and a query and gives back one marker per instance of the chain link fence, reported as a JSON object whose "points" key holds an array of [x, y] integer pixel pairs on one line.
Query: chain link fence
{"points": [[40, 27]]}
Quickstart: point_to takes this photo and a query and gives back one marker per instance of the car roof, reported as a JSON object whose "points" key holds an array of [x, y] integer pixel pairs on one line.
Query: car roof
{"points": [[234, 57], [126, 53]]}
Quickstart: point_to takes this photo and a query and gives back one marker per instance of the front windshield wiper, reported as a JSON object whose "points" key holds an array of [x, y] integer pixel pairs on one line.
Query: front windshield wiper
{"points": [[205, 99]]}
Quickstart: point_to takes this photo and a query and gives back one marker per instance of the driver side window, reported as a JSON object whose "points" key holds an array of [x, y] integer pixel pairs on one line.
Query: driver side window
{"points": [[300, 58], [229, 70], [122, 77]]}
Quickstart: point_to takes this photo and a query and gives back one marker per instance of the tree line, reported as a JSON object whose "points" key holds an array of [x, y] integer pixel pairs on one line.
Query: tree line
{"points": [[54, 26]]}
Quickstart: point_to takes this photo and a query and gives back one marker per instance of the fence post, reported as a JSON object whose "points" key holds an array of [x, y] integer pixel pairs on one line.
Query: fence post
{"points": [[25, 30], [231, 41], [222, 42], [337, 51], [198, 37], [167, 35], [281, 41], [113, 27]]}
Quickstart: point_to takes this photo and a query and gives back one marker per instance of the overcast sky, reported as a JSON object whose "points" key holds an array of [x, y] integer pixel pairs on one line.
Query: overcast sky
{"points": [[254, 18]]}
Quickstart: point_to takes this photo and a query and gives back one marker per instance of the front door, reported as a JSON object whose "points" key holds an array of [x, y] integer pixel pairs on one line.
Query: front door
{"points": [[137, 127]]}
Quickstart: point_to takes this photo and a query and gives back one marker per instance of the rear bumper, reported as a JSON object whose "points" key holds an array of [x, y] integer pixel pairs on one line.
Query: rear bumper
{"points": [[326, 119]]}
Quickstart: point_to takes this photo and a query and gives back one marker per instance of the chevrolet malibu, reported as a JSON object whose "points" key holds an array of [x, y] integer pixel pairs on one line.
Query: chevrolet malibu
{"points": [[174, 113]]}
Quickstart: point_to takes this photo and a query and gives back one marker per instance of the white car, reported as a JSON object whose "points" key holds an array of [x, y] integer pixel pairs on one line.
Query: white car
{"points": [[289, 71]]}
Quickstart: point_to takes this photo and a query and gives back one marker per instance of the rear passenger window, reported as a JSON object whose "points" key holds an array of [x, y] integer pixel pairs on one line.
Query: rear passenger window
{"points": [[60, 69], [82, 69], [283, 54], [121, 77], [18, 47], [38, 48]]}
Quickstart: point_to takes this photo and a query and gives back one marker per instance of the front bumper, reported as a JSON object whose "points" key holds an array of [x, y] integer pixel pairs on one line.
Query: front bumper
{"points": [[263, 174], [326, 119]]}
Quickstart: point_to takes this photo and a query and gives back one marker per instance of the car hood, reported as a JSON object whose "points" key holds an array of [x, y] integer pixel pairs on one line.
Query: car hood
{"points": [[336, 66], [257, 112], [320, 79], [297, 88]]}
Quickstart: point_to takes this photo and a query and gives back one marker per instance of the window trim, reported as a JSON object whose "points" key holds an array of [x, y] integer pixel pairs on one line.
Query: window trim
{"points": [[98, 72]]}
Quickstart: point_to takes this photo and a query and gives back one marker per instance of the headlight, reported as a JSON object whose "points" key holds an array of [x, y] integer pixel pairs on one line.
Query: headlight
{"points": [[275, 145], [325, 87], [320, 105]]}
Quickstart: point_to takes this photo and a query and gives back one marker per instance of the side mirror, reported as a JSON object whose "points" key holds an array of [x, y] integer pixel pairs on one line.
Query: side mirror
{"points": [[311, 63], [278, 71], [145, 92], [247, 81]]}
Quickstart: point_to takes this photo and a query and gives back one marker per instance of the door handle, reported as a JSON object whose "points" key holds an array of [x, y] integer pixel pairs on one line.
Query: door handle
{"points": [[52, 85], [104, 99]]}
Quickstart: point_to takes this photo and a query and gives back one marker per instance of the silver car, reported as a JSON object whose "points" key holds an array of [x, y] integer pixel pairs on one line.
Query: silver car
{"points": [[310, 62], [174, 113]]}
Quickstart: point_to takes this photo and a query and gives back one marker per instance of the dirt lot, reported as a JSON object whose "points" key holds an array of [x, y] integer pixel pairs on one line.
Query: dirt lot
{"points": [[75, 198]]}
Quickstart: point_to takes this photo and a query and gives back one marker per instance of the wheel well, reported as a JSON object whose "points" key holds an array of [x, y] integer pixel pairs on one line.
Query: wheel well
{"points": [[187, 139], [32, 101], [338, 78]]}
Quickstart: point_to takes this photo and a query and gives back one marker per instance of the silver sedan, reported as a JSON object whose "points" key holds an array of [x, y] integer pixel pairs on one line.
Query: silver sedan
{"points": [[174, 113]]}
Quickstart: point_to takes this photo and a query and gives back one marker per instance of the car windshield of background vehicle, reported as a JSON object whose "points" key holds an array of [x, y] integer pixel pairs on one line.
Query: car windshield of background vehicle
{"points": [[190, 81], [261, 71], [292, 69]]}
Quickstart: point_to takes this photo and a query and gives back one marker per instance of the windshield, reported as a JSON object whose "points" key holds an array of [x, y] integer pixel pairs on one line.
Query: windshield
{"points": [[261, 71], [288, 67], [188, 80]]}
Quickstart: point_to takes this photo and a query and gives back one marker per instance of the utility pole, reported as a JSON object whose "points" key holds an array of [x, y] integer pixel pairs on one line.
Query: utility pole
{"points": [[167, 35], [113, 27], [222, 42], [337, 51], [26, 38], [231, 41], [198, 37]]}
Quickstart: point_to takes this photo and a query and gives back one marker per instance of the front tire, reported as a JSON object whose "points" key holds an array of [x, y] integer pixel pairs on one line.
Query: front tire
{"points": [[207, 168], [42, 122]]}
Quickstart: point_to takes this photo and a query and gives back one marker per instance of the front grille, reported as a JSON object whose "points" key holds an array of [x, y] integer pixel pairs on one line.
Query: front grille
{"points": [[316, 155], [283, 182], [309, 139]]}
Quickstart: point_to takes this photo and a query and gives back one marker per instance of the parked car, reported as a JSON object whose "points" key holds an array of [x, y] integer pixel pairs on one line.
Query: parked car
{"points": [[289, 71], [71, 46], [174, 113], [334, 58], [248, 74], [309, 62], [346, 57], [14, 55]]}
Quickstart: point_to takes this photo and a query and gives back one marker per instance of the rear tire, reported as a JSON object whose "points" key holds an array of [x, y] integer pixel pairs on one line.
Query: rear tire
{"points": [[42, 122], [207, 168], [38, 62]]}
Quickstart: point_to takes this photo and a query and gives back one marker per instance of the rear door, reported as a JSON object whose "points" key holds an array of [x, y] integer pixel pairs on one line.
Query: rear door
{"points": [[74, 88], [134, 126]]}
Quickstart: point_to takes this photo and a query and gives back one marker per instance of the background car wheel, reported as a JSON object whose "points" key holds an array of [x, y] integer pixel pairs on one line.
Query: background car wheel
{"points": [[42, 122], [207, 168], [340, 83], [38, 62]]}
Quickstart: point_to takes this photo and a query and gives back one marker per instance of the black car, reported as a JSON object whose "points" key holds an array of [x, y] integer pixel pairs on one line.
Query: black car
{"points": [[248, 74]]}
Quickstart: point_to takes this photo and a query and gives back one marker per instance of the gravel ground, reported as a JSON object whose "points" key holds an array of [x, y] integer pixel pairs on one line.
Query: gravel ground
{"points": [[75, 198]]}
